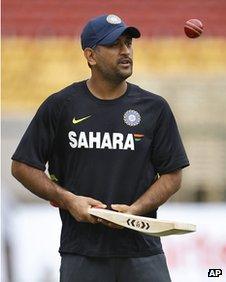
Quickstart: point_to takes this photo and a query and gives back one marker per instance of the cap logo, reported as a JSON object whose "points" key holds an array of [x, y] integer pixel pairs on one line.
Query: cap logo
{"points": [[113, 19]]}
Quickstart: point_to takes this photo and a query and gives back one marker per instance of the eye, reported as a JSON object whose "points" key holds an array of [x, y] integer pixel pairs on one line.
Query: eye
{"points": [[128, 43]]}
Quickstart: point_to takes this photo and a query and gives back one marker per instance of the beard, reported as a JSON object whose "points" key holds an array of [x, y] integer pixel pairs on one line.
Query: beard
{"points": [[115, 74]]}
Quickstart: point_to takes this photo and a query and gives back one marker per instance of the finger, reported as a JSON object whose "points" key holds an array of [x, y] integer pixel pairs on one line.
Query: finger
{"points": [[109, 224], [96, 203], [92, 219], [120, 207]]}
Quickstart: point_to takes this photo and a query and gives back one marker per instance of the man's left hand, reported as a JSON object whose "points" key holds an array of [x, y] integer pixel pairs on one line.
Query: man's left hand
{"points": [[119, 208]]}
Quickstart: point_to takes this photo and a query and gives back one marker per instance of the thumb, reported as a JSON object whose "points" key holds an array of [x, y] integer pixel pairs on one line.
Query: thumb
{"points": [[97, 204], [120, 207]]}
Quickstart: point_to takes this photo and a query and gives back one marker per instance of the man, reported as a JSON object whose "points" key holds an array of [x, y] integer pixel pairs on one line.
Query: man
{"points": [[108, 143]]}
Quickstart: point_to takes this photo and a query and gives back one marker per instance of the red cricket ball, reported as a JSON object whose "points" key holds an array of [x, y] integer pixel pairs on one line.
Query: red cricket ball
{"points": [[193, 28]]}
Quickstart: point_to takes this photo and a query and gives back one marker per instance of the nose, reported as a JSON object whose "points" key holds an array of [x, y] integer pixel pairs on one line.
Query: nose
{"points": [[125, 50]]}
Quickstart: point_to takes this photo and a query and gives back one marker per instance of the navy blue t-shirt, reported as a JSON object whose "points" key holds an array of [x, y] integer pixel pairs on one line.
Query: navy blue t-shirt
{"points": [[110, 150]]}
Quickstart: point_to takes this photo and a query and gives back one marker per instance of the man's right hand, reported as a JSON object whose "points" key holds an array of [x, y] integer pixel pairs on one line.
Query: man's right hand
{"points": [[78, 207]]}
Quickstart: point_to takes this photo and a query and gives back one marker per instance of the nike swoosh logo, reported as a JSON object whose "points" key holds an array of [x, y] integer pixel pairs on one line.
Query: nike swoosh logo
{"points": [[75, 121]]}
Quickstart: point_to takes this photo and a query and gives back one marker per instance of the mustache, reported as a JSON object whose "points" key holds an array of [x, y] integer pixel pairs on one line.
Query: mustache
{"points": [[125, 60]]}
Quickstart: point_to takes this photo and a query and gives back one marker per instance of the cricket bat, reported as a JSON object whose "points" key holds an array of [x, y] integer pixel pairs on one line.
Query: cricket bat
{"points": [[147, 225]]}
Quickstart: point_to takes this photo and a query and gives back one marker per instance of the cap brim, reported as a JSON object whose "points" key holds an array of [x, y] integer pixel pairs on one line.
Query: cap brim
{"points": [[114, 35]]}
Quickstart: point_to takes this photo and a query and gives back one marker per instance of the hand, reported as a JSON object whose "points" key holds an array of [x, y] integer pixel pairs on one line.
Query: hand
{"points": [[78, 207], [133, 209], [119, 208]]}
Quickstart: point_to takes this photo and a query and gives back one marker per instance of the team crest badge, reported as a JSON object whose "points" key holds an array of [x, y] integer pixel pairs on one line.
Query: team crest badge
{"points": [[132, 118], [113, 19]]}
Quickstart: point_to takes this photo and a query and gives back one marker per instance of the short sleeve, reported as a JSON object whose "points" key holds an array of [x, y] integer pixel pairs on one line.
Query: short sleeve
{"points": [[36, 144], [168, 153]]}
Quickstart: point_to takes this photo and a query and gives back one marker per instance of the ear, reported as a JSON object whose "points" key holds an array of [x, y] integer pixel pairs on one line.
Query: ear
{"points": [[90, 56]]}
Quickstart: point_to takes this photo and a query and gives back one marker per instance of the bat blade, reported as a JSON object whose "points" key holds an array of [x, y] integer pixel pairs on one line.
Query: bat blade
{"points": [[147, 225]]}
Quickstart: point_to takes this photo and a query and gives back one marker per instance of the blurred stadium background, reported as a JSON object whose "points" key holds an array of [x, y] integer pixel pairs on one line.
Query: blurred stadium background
{"points": [[41, 54]]}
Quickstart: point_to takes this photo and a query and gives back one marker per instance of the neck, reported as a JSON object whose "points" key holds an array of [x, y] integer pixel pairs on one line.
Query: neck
{"points": [[106, 90]]}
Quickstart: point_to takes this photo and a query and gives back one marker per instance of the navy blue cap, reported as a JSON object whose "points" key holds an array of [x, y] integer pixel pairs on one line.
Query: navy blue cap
{"points": [[105, 30]]}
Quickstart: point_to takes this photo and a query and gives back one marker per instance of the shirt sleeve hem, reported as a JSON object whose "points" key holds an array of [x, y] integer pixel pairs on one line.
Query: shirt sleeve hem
{"points": [[174, 168], [27, 162]]}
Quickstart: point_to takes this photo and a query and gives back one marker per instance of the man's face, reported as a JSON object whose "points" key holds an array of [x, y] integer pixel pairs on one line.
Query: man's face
{"points": [[115, 62]]}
